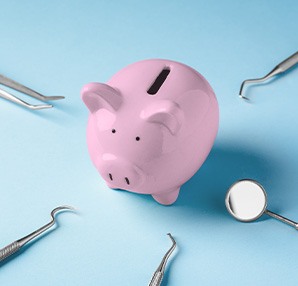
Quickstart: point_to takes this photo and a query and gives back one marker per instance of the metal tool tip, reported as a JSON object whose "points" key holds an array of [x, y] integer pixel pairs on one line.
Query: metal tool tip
{"points": [[39, 107], [63, 208], [243, 97], [172, 238], [66, 207], [55, 97]]}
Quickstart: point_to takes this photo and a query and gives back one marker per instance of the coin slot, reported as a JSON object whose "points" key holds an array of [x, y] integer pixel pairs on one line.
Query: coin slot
{"points": [[154, 88]]}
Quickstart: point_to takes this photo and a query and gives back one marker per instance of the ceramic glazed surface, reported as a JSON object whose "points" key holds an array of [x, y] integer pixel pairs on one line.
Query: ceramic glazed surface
{"points": [[151, 127]]}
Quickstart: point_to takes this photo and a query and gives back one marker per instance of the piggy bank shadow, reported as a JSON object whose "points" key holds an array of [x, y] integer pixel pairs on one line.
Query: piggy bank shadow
{"points": [[207, 189]]}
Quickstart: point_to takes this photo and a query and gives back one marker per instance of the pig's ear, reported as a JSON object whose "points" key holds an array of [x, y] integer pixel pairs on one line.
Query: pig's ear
{"points": [[164, 112], [99, 95]]}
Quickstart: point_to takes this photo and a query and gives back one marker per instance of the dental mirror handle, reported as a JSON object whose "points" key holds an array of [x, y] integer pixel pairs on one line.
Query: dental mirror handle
{"points": [[282, 219]]}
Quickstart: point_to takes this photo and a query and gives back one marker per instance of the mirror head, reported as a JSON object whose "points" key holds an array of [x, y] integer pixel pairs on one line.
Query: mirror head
{"points": [[246, 200]]}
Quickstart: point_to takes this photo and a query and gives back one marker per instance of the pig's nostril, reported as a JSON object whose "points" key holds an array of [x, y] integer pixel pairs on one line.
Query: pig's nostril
{"points": [[111, 177], [127, 181]]}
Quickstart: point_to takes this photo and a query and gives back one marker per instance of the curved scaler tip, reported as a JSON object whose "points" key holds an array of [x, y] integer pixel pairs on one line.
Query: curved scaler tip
{"points": [[243, 97], [164, 261], [62, 208]]}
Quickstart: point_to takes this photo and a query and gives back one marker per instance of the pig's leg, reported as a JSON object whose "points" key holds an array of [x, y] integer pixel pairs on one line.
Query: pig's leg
{"points": [[167, 198]]}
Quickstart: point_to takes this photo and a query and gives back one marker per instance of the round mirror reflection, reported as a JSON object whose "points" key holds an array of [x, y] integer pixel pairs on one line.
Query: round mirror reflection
{"points": [[246, 200]]}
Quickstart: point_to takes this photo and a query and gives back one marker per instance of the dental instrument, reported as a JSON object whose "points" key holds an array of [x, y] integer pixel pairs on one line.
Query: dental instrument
{"points": [[246, 201], [159, 273], [280, 68], [18, 244], [26, 90]]}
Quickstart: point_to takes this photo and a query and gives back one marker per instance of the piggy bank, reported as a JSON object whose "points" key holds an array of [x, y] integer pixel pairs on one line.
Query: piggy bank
{"points": [[151, 127]]}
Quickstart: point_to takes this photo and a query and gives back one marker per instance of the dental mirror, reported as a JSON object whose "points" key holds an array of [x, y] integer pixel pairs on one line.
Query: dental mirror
{"points": [[246, 201]]}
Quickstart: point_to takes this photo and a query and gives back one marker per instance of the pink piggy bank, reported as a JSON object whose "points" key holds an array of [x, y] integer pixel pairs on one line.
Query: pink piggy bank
{"points": [[151, 127]]}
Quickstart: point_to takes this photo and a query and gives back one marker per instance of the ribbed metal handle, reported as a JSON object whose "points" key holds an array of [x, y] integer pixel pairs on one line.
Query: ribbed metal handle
{"points": [[156, 279], [9, 250]]}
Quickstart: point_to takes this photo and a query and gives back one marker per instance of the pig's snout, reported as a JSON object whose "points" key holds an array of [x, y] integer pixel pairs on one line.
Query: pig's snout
{"points": [[120, 173]]}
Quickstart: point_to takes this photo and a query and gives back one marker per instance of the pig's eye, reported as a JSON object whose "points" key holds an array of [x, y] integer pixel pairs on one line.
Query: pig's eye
{"points": [[138, 138], [113, 130]]}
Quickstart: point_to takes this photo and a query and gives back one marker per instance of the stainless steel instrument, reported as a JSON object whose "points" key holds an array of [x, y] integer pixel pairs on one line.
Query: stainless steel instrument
{"points": [[19, 87], [246, 200], [280, 68], [18, 244], [159, 273]]}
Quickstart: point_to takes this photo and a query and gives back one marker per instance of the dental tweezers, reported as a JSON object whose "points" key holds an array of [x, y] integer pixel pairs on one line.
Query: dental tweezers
{"points": [[19, 87]]}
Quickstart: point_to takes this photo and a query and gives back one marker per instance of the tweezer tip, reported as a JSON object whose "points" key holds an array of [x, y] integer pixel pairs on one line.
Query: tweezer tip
{"points": [[57, 97], [39, 107], [54, 97]]}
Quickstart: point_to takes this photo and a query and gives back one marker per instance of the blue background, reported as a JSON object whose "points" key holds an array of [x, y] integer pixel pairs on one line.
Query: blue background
{"points": [[119, 238]]}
